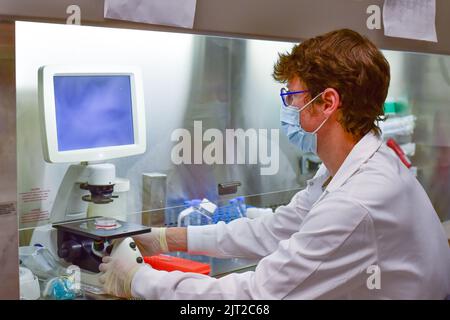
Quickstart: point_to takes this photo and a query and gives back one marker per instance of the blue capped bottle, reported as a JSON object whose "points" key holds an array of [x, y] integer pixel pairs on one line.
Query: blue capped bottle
{"points": [[235, 210], [198, 213], [242, 206]]}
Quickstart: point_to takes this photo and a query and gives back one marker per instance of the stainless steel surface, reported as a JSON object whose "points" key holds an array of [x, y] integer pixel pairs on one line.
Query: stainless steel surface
{"points": [[9, 261], [221, 267], [225, 83], [424, 81]]}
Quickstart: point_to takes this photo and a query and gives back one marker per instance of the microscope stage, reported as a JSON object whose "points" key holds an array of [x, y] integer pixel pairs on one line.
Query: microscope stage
{"points": [[88, 228]]}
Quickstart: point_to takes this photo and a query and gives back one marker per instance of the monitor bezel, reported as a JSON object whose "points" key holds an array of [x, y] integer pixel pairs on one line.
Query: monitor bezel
{"points": [[48, 114]]}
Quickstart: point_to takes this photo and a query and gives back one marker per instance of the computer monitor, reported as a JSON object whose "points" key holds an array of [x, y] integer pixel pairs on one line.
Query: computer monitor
{"points": [[91, 113]]}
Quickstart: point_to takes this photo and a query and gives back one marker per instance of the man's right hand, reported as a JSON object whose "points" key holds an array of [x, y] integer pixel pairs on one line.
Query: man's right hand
{"points": [[162, 240]]}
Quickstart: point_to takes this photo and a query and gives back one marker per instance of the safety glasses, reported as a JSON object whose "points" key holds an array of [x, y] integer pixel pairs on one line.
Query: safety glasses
{"points": [[288, 96]]}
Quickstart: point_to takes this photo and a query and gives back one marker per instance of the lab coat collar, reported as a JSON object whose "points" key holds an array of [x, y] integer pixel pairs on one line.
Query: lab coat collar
{"points": [[360, 153]]}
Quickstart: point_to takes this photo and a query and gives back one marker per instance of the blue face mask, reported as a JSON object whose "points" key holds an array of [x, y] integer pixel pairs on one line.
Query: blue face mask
{"points": [[291, 126]]}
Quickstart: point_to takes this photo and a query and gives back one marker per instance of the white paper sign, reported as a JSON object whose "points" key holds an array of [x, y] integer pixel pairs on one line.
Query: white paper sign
{"points": [[178, 13], [411, 19]]}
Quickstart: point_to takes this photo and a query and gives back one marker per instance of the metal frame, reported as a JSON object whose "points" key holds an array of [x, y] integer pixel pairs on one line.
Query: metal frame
{"points": [[289, 20], [9, 261]]}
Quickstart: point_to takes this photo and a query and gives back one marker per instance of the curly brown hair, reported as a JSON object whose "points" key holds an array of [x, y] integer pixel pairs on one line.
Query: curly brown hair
{"points": [[352, 65]]}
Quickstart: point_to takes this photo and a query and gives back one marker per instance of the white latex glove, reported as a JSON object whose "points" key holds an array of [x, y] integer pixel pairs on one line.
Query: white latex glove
{"points": [[152, 243], [117, 276]]}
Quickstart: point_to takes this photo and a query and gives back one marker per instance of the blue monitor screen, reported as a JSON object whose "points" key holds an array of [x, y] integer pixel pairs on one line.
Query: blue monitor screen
{"points": [[93, 111]]}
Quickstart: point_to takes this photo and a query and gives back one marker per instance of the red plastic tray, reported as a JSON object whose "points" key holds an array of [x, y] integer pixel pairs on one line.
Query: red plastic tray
{"points": [[170, 263]]}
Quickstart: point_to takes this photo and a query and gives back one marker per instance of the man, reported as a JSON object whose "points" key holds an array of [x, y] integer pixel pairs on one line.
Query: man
{"points": [[363, 228]]}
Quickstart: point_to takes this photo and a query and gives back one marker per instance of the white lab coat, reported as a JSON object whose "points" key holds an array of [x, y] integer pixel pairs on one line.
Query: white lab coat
{"points": [[371, 234]]}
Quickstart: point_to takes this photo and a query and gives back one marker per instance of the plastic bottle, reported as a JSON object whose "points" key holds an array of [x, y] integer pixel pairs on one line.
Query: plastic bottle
{"points": [[242, 206], [173, 208], [196, 216], [187, 204], [235, 211], [198, 213], [207, 210], [183, 219]]}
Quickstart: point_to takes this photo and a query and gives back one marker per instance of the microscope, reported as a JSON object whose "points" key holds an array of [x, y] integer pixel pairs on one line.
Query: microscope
{"points": [[89, 115], [81, 237]]}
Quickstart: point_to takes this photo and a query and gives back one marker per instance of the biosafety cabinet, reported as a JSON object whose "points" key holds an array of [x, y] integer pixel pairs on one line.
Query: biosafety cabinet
{"points": [[198, 86]]}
